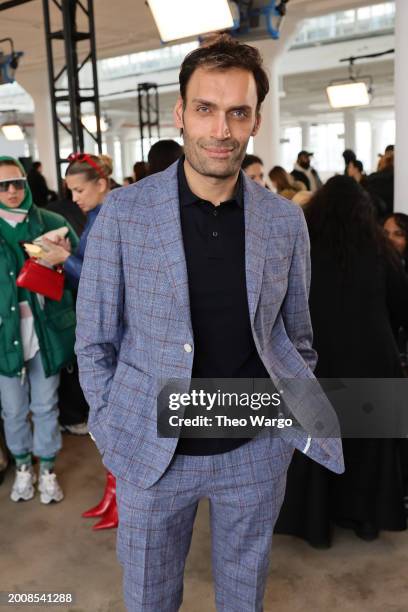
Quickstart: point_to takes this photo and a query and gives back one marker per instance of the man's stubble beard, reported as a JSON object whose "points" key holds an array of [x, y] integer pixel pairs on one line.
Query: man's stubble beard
{"points": [[208, 167]]}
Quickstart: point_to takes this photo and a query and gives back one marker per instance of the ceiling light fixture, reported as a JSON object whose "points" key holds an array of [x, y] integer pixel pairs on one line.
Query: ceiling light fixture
{"points": [[89, 122], [12, 132], [356, 90], [349, 94], [186, 18]]}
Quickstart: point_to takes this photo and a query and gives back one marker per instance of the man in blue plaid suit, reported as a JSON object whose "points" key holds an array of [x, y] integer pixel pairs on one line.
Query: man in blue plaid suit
{"points": [[199, 272]]}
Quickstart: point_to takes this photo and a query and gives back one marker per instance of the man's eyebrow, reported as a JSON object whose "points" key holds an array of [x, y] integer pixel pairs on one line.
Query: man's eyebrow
{"points": [[205, 102], [245, 107]]}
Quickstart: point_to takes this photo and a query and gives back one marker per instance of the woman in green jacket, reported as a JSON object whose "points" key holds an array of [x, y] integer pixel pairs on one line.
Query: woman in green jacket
{"points": [[36, 340]]}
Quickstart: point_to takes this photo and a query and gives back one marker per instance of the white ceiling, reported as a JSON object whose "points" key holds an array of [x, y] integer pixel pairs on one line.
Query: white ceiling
{"points": [[305, 72], [125, 26]]}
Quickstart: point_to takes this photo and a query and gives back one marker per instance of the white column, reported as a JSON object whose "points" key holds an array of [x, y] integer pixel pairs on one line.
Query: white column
{"points": [[36, 84], [349, 119], [124, 150], [110, 144], [305, 126], [89, 144], [267, 141], [376, 127], [401, 106], [30, 139]]}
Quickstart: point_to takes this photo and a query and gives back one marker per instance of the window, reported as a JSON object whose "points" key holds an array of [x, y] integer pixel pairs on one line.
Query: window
{"points": [[291, 144], [363, 144], [327, 144]]}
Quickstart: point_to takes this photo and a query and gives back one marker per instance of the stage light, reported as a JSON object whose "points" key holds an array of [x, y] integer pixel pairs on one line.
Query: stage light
{"points": [[176, 19], [348, 94], [12, 132], [9, 63], [89, 121]]}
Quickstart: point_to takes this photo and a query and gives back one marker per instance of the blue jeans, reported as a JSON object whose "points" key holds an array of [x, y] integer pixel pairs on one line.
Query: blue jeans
{"points": [[38, 395]]}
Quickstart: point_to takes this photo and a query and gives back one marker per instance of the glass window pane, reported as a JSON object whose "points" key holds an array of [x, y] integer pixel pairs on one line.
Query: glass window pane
{"points": [[292, 144], [363, 144]]}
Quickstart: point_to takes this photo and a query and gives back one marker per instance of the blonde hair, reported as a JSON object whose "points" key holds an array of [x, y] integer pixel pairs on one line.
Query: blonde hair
{"points": [[302, 197]]}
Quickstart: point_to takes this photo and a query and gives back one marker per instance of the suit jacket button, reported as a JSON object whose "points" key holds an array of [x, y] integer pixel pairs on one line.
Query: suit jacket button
{"points": [[188, 348]]}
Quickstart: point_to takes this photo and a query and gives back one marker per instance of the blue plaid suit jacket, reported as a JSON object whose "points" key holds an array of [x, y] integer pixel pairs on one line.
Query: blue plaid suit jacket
{"points": [[134, 320]]}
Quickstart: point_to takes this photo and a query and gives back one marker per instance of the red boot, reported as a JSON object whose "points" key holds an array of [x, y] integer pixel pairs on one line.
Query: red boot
{"points": [[110, 518], [108, 495]]}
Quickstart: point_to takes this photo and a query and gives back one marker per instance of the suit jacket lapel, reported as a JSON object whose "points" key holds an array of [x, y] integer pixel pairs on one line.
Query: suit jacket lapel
{"points": [[166, 211], [257, 231]]}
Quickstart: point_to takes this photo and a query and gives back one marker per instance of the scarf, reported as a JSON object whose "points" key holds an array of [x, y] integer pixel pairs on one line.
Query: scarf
{"points": [[13, 227]]}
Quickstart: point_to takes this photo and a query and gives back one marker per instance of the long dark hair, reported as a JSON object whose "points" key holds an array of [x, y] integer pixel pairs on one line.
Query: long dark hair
{"points": [[281, 178], [401, 220], [341, 216]]}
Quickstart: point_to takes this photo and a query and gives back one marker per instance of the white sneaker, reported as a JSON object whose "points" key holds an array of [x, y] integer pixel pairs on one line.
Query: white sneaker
{"points": [[23, 484], [79, 429], [49, 488]]}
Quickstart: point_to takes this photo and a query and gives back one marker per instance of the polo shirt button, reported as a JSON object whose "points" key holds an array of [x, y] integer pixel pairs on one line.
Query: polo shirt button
{"points": [[11, 273], [215, 213], [188, 348], [215, 234], [12, 308], [16, 343]]}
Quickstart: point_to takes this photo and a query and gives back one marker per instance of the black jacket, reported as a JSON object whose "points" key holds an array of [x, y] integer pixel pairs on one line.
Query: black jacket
{"points": [[381, 186], [354, 321], [39, 187]]}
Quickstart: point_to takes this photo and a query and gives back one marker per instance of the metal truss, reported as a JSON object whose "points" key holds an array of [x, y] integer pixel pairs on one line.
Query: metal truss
{"points": [[65, 82], [149, 116]]}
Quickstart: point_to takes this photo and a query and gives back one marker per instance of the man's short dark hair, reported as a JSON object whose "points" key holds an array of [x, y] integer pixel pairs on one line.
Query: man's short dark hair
{"points": [[224, 53], [349, 156], [36, 165], [358, 165], [162, 154], [250, 159]]}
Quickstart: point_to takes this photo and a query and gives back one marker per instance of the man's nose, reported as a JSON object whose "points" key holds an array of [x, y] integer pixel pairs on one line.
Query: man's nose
{"points": [[12, 189], [220, 127]]}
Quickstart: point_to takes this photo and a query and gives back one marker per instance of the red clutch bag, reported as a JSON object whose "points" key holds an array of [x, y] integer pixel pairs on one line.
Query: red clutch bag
{"points": [[40, 279]]}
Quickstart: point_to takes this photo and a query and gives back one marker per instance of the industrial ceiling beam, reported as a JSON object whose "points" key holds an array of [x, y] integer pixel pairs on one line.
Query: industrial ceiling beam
{"points": [[12, 3]]}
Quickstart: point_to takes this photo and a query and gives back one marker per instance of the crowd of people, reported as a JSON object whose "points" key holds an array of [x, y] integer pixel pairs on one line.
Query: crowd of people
{"points": [[358, 305]]}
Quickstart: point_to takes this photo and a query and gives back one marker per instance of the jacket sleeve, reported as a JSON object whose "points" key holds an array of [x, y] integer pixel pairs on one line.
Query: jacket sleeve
{"points": [[73, 269], [295, 308], [99, 316]]}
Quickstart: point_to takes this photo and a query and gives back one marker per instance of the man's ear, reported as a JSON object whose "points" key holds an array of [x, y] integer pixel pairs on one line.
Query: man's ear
{"points": [[257, 124], [178, 114]]}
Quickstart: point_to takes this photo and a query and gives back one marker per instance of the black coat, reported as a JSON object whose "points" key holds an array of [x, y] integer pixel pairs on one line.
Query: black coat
{"points": [[353, 322], [71, 212], [381, 186], [39, 187]]}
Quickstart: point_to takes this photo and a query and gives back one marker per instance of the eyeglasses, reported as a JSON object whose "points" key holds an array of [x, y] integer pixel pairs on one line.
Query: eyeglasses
{"points": [[16, 183], [87, 159]]}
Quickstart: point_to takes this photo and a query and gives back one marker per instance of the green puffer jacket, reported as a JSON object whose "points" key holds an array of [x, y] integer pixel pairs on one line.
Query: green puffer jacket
{"points": [[54, 325]]}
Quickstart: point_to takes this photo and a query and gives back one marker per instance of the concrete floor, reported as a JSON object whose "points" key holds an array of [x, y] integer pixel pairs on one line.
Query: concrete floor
{"points": [[51, 548]]}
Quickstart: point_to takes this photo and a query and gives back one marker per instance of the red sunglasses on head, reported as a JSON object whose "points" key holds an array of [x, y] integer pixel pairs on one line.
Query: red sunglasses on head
{"points": [[87, 159]]}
